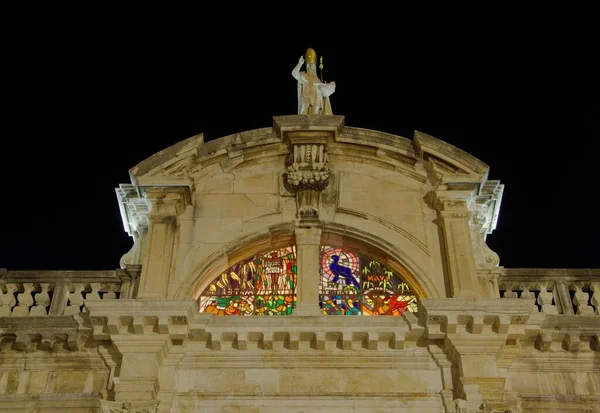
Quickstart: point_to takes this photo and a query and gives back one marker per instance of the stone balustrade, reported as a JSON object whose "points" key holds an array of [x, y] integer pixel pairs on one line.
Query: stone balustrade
{"points": [[555, 291], [55, 293]]}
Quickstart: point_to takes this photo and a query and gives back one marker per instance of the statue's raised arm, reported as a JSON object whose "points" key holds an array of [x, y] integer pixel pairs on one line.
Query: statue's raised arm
{"points": [[313, 93]]}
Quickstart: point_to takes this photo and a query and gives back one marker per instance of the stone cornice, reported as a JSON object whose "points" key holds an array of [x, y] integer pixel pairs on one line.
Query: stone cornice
{"points": [[291, 123], [573, 332], [167, 201], [128, 406], [134, 209], [124, 317], [462, 162], [44, 333], [75, 276], [551, 274], [180, 321], [493, 316], [48, 402]]}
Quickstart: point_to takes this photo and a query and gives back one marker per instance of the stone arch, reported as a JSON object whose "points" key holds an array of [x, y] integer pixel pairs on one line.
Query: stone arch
{"points": [[279, 236]]}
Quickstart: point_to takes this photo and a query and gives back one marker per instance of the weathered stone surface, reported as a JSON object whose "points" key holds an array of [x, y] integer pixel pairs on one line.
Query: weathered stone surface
{"points": [[484, 338]]}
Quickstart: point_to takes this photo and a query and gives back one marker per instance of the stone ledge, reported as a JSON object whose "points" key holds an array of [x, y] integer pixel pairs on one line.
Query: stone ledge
{"points": [[59, 403], [44, 333], [441, 317]]}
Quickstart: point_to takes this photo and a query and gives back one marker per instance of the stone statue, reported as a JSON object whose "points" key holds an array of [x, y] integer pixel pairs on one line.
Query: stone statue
{"points": [[313, 93]]}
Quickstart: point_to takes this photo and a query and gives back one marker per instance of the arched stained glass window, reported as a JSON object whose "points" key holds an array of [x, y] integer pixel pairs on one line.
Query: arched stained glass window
{"points": [[354, 284], [264, 284]]}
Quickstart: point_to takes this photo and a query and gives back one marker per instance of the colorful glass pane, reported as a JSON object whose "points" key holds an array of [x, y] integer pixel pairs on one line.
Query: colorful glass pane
{"points": [[263, 285], [341, 304], [273, 304], [354, 284]]}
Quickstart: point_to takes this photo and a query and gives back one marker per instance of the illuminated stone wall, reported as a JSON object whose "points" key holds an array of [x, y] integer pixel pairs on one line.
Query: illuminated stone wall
{"points": [[464, 334]]}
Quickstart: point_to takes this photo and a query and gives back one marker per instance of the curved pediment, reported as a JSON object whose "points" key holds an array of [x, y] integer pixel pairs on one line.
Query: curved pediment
{"points": [[309, 170], [182, 162]]}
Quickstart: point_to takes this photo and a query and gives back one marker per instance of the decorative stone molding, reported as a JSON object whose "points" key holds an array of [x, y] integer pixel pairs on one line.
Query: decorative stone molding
{"points": [[43, 333], [128, 407], [134, 213], [441, 317], [134, 208], [307, 174], [480, 337], [307, 168], [484, 209], [462, 406], [139, 317], [571, 332], [298, 333], [166, 201]]}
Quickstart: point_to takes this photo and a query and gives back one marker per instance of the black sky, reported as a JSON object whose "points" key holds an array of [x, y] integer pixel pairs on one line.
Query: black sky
{"points": [[85, 104]]}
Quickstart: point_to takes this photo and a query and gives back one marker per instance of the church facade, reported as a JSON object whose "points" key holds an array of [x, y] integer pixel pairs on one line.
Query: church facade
{"points": [[303, 267]]}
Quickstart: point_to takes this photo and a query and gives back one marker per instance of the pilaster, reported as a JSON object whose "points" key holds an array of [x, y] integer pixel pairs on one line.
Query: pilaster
{"points": [[453, 215], [167, 203], [308, 241], [150, 337], [480, 338]]}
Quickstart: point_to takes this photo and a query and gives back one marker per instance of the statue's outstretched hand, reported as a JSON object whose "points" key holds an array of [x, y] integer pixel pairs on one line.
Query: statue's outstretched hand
{"points": [[301, 60]]}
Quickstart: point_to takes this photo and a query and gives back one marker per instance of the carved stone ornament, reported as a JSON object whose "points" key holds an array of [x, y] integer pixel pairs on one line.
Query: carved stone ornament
{"points": [[308, 175], [484, 210], [463, 407], [314, 180], [129, 407], [134, 213]]}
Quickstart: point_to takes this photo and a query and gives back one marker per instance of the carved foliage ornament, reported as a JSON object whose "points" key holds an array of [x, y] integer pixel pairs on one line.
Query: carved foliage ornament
{"points": [[307, 173], [315, 180]]}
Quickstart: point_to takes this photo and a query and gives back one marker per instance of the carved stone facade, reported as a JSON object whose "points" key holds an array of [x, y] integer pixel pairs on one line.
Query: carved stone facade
{"points": [[482, 339]]}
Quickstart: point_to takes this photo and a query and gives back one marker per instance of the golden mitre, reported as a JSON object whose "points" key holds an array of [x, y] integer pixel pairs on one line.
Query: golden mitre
{"points": [[310, 56]]}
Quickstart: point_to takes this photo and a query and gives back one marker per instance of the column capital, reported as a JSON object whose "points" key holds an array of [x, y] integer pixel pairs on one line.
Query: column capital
{"points": [[167, 201], [452, 203]]}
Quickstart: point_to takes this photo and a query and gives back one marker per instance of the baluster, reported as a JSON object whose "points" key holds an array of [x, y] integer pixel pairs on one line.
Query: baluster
{"points": [[8, 300], [110, 295], [509, 293], [60, 295], [526, 294], [94, 295], [25, 301], [563, 298], [595, 287], [581, 300], [545, 299], [42, 301], [75, 300]]}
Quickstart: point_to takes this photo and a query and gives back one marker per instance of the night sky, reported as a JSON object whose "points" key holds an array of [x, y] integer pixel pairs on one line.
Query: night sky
{"points": [[85, 107]]}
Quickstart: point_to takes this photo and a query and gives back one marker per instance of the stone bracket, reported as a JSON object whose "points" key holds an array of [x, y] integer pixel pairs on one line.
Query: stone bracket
{"points": [[301, 333], [139, 317], [573, 333], [43, 333], [441, 317]]}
